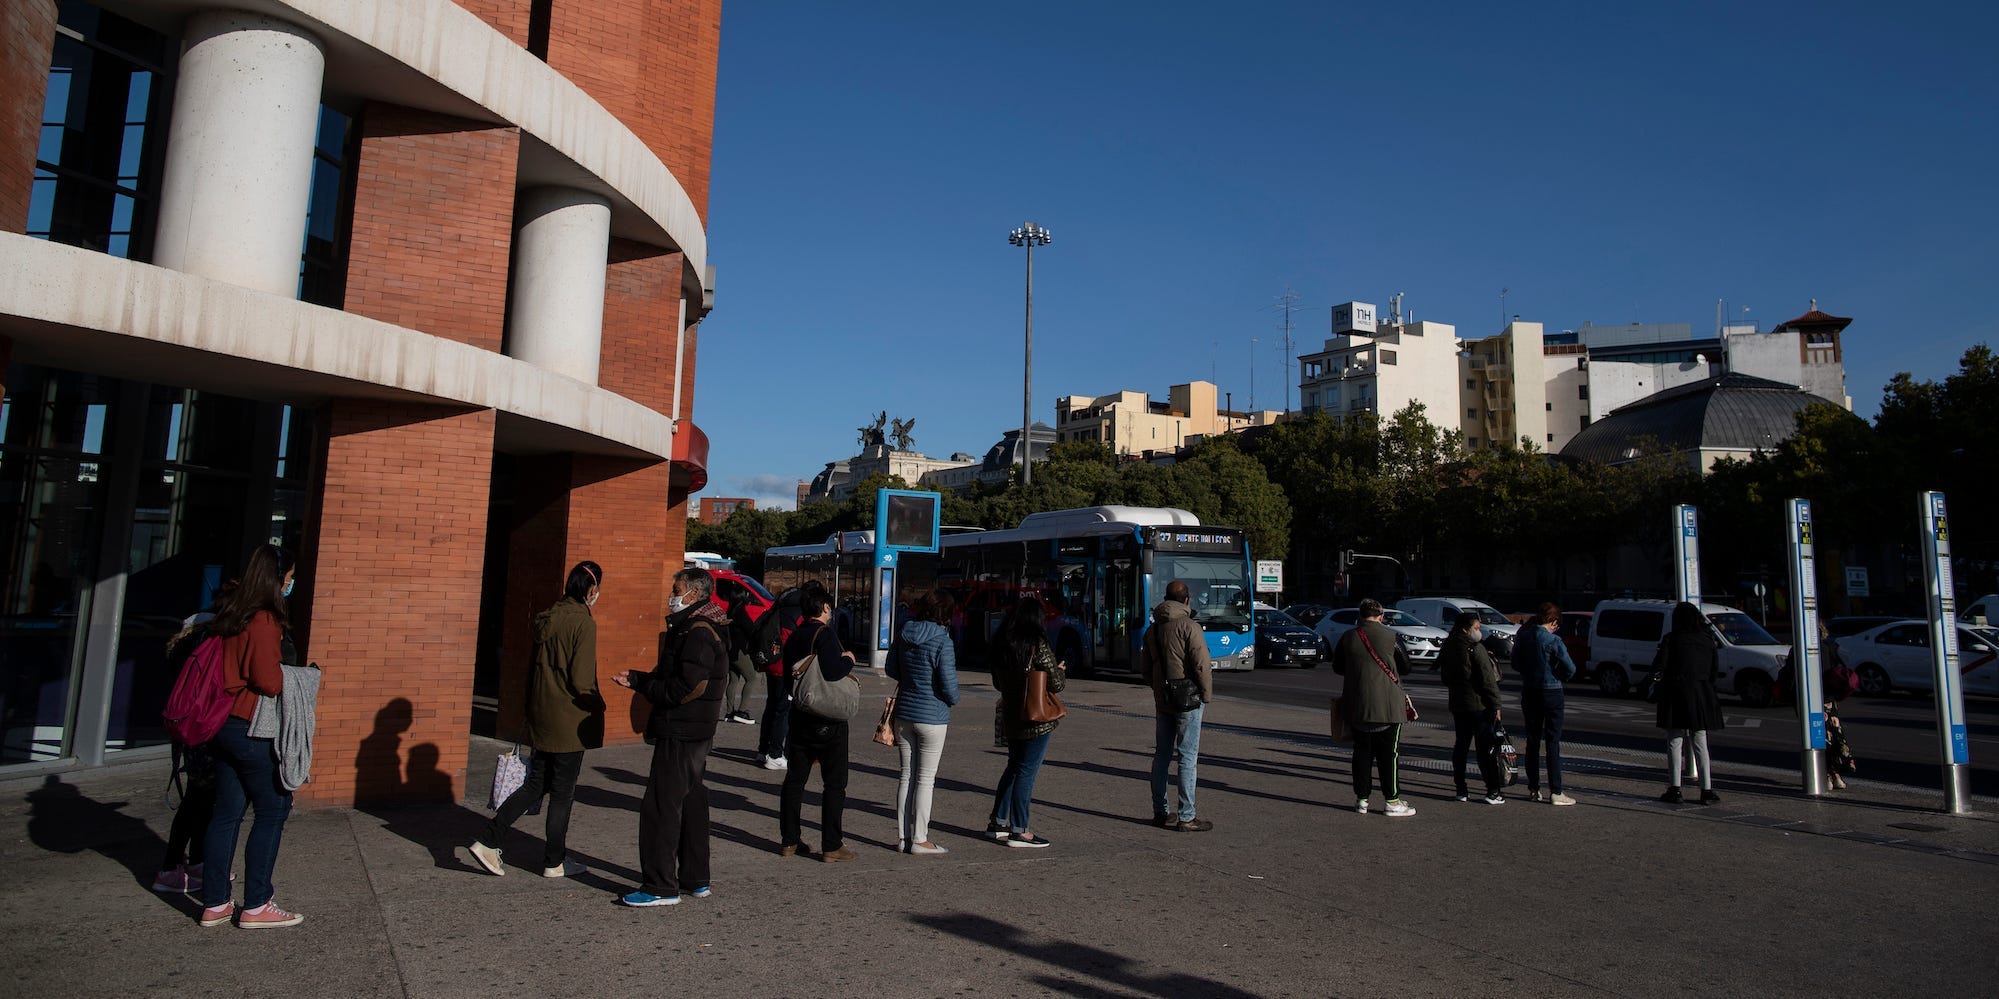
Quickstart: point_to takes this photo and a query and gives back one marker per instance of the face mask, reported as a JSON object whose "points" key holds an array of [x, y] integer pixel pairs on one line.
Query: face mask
{"points": [[677, 604], [592, 601], [287, 591]]}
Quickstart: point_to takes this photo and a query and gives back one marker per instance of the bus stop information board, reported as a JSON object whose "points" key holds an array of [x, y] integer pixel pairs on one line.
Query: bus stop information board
{"points": [[1269, 577]]}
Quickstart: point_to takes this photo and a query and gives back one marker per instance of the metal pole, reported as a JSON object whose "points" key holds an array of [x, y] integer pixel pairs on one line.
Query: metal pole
{"points": [[1686, 539], [1027, 380], [1806, 683], [1953, 738]]}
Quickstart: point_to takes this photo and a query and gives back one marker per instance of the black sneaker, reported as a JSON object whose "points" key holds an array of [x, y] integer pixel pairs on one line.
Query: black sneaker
{"points": [[1672, 795], [1709, 797], [1464, 795], [997, 833], [1026, 841], [1162, 821]]}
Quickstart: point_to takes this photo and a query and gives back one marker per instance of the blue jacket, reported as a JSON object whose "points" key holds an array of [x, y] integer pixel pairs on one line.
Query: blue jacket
{"points": [[926, 674], [1541, 659]]}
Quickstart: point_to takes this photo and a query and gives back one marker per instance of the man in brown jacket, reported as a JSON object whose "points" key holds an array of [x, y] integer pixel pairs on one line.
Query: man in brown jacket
{"points": [[1176, 650]]}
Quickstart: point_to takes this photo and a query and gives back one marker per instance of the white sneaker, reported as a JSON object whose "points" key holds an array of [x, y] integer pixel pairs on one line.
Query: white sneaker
{"points": [[488, 858], [774, 763], [927, 849], [1495, 798], [741, 719], [1561, 799], [1399, 809], [566, 869], [1360, 806]]}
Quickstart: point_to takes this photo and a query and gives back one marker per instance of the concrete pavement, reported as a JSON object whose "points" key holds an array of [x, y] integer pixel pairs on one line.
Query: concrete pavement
{"points": [[1291, 895]]}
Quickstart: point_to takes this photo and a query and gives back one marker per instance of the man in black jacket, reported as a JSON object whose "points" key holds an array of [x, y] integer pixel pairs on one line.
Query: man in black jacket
{"points": [[1473, 681], [686, 695]]}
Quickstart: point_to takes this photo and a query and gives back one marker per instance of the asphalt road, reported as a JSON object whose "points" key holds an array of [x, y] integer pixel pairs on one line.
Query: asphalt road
{"points": [[1894, 737]]}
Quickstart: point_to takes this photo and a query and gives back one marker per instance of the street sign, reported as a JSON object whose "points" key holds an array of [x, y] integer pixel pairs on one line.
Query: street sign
{"points": [[1687, 550], [1856, 581], [1953, 736], [1809, 688], [1269, 576]]}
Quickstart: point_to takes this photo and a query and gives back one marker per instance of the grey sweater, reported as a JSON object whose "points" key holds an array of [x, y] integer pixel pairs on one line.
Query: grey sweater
{"points": [[290, 718]]}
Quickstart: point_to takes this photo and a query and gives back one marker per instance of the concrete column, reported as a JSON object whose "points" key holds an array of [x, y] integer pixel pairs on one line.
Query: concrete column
{"points": [[238, 174], [559, 265]]}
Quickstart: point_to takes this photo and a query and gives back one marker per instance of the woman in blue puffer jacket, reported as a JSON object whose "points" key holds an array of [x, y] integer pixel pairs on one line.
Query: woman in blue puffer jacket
{"points": [[925, 667]]}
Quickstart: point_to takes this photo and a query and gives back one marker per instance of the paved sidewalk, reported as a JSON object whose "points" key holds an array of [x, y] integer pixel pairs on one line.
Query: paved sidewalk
{"points": [[1292, 894]]}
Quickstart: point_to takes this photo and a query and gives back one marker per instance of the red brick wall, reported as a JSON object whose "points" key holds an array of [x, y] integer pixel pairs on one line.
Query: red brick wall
{"points": [[398, 556], [537, 564], [27, 38], [509, 17], [651, 63], [433, 223], [618, 517]]}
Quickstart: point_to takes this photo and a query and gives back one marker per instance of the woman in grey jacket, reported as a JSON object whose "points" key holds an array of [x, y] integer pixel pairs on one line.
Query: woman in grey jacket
{"points": [[1373, 663], [924, 666]]}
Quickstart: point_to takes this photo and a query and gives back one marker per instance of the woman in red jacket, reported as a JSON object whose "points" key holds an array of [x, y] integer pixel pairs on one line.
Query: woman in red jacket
{"points": [[251, 622]]}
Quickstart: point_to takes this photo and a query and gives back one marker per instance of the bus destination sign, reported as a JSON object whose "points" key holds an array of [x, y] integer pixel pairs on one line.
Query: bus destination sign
{"points": [[1206, 540]]}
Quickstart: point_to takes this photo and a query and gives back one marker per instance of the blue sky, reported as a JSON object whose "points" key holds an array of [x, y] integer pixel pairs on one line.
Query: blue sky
{"points": [[1608, 163]]}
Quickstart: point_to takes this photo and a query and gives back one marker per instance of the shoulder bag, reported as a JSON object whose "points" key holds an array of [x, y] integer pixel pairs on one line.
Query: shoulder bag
{"points": [[831, 700], [885, 729], [1038, 704], [1408, 706], [1182, 693]]}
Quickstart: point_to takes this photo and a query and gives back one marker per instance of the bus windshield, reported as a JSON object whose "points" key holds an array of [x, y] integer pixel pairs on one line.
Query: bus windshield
{"points": [[1219, 585]]}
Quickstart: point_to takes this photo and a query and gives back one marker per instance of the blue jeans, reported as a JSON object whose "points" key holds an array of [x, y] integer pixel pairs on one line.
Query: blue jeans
{"points": [[1016, 785], [1544, 709], [1173, 732], [246, 776]]}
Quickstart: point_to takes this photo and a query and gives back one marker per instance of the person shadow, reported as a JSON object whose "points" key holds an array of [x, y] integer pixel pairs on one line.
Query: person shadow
{"points": [[62, 819]]}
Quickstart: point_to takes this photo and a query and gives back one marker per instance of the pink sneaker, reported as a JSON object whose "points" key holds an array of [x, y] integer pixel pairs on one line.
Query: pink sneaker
{"points": [[267, 917], [218, 915]]}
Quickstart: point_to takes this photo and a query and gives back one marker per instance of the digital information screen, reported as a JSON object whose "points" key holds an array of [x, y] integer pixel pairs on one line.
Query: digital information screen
{"points": [[907, 521]]}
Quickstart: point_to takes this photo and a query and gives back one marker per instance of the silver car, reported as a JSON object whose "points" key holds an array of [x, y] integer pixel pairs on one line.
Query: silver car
{"points": [[1419, 641]]}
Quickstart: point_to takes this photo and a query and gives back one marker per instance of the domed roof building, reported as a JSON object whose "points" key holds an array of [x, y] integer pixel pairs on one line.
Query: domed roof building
{"points": [[1728, 416]]}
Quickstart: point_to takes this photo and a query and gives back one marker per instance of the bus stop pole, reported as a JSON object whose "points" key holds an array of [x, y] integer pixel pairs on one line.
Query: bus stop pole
{"points": [[1954, 743], [1807, 685], [1687, 546]]}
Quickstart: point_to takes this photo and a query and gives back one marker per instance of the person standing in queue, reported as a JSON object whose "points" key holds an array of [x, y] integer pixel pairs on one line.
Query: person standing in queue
{"points": [[1023, 646], [1375, 706], [1543, 663], [256, 644], [742, 628], [1177, 649], [813, 739], [686, 694], [565, 717], [1472, 679], [1686, 665]]}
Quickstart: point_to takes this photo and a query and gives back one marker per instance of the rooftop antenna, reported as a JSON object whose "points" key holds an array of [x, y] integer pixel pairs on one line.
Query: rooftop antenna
{"points": [[1718, 310], [1395, 309], [1252, 374], [1289, 301], [1502, 308]]}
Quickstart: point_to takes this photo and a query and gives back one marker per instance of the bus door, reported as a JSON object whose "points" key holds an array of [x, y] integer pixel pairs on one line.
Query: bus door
{"points": [[1117, 612]]}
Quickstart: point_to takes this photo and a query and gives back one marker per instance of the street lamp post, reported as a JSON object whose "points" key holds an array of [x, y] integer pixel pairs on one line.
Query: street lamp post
{"points": [[1030, 236]]}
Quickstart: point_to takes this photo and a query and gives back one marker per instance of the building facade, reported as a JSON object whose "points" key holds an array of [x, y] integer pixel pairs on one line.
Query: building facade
{"points": [[1132, 425], [1380, 368], [410, 287], [1506, 389], [716, 509]]}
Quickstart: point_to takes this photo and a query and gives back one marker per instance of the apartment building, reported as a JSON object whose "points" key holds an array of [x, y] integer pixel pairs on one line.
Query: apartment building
{"points": [[1370, 366], [1131, 424], [1506, 388]]}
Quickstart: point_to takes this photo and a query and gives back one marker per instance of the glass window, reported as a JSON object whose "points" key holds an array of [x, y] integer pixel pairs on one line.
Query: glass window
{"points": [[1218, 584], [1741, 629], [322, 276]]}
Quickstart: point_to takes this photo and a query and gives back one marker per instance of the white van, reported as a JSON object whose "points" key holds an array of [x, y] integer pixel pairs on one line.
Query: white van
{"points": [[1983, 611], [1442, 612], [1625, 634]]}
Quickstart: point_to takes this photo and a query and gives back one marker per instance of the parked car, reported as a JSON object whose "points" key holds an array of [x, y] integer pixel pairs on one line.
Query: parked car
{"points": [[760, 598], [1282, 641], [1625, 635], [1897, 657], [1307, 614], [1421, 642], [1442, 612], [1982, 612], [1840, 627]]}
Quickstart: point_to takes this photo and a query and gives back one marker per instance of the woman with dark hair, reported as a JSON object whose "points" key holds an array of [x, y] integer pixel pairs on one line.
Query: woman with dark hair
{"points": [[565, 717], [251, 620], [924, 666], [1543, 663], [736, 696], [1023, 648], [1686, 665], [810, 738]]}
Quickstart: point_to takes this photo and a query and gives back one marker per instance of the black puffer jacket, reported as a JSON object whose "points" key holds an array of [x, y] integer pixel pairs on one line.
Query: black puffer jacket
{"points": [[686, 688], [1686, 664]]}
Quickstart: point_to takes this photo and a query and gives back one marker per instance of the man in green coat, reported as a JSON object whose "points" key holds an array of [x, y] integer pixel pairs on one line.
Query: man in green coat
{"points": [[1373, 663], [565, 716]]}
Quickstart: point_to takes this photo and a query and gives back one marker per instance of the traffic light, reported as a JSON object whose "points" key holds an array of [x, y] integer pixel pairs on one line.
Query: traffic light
{"points": [[1346, 560]]}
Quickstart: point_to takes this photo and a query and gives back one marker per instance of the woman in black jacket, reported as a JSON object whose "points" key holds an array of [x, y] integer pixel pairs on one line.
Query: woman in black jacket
{"points": [[1686, 666]]}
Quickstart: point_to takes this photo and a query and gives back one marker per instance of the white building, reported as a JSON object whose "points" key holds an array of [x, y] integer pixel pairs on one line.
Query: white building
{"points": [[1505, 388], [1131, 424], [1368, 366]]}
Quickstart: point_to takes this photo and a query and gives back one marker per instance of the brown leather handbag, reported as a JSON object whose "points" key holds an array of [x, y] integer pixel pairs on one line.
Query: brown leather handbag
{"points": [[1038, 704]]}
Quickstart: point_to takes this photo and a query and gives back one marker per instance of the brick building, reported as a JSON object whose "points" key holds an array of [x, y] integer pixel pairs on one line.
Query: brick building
{"points": [[410, 287], [716, 509]]}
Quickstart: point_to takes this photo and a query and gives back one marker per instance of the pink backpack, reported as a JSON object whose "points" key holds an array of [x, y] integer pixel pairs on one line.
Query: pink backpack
{"points": [[199, 704]]}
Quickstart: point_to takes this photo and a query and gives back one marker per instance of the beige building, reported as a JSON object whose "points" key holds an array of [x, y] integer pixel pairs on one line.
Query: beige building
{"points": [[1505, 388], [1130, 423], [1381, 368]]}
